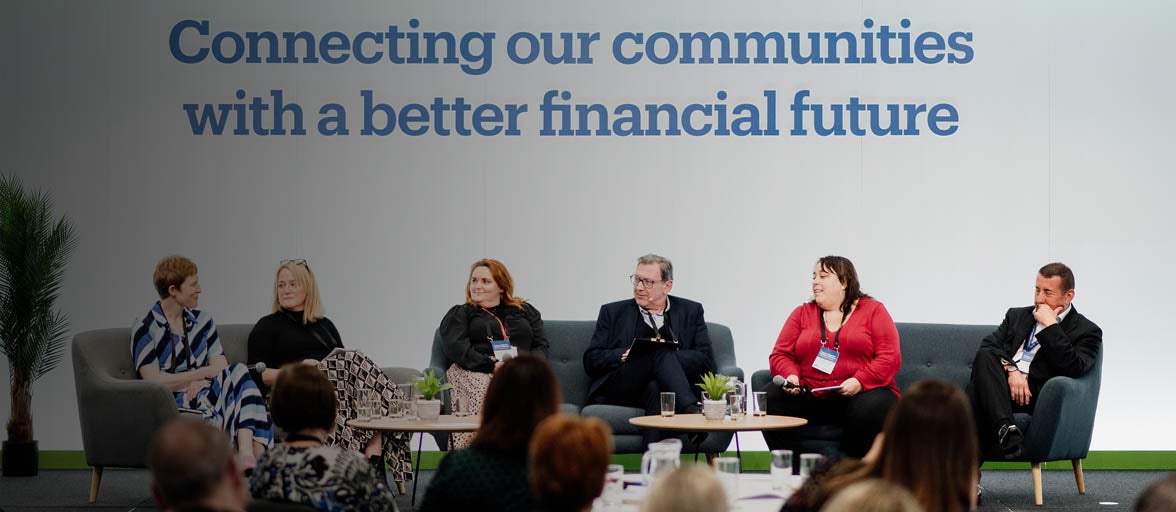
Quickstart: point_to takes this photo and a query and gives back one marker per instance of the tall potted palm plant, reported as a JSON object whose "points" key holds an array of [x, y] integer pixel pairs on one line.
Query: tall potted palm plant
{"points": [[33, 251]]}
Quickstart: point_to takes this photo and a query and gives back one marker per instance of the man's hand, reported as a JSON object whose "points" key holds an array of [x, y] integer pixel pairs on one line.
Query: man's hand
{"points": [[795, 388], [1019, 388], [1046, 315], [850, 387], [625, 355], [194, 387]]}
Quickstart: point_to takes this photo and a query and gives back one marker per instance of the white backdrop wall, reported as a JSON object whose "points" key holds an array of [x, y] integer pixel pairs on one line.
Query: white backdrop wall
{"points": [[1061, 153]]}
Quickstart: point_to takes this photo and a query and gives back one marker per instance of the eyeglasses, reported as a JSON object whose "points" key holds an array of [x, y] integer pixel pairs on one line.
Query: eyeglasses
{"points": [[648, 283], [298, 261]]}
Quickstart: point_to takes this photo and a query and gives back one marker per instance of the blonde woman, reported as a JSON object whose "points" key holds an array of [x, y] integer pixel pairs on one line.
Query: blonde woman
{"points": [[690, 488], [298, 332]]}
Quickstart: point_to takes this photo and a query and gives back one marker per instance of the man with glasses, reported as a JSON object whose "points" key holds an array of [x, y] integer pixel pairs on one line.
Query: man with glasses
{"points": [[674, 347]]}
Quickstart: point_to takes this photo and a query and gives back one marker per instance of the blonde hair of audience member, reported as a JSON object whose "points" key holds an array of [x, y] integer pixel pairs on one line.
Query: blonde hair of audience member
{"points": [[690, 488], [567, 460], [873, 495], [192, 466], [1160, 496], [312, 308]]}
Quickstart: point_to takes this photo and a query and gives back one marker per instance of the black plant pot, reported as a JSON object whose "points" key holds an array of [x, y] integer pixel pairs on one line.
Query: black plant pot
{"points": [[20, 459]]}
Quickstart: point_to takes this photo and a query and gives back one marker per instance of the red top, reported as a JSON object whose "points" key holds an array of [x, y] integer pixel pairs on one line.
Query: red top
{"points": [[868, 349]]}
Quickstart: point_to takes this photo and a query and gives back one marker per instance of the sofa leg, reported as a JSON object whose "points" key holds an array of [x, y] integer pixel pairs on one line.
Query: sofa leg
{"points": [[1077, 463], [400, 487], [95, 481], [1037, 484]]}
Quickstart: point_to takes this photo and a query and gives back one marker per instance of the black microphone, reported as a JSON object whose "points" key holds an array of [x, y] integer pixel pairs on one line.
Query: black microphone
{"points": [[779, 380]]}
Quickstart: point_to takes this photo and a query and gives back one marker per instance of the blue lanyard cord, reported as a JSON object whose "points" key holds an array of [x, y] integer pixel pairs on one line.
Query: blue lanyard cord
{"points": [[1031, 342]]}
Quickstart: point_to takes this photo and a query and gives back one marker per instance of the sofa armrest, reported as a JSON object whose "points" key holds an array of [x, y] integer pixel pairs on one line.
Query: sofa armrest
{"points": [[1063, 420], [402, 375], [732, 371], [120, 417]]}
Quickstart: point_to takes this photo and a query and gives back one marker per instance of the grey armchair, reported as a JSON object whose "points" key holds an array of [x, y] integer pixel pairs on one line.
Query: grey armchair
{"points": [[120, 413]]}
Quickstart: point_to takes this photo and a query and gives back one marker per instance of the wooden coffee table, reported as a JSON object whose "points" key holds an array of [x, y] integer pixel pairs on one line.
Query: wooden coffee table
{"points": [[698, 423], [444, 423]]}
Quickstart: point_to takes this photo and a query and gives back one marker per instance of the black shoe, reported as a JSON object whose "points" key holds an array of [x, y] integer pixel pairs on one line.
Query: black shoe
{"points": [[1010, 441], [696, 438]]}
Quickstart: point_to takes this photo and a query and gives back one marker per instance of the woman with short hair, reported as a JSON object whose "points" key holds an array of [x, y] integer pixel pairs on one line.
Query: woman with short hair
{"points": [[568, 459], [304, 468], [177, 345]]}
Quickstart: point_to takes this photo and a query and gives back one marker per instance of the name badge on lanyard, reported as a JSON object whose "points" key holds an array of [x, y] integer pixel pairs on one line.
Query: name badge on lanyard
{"points": [[827, 358]]}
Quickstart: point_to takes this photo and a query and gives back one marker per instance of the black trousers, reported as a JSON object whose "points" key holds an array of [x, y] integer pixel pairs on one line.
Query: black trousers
{"points": [[639, 382], [992, 403], [861, 416]]}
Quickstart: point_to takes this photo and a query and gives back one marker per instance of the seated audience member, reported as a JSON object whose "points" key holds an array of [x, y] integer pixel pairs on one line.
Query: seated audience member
{"points": [[928, 446], [298, 332], [491, 475], [491, 312], [569, 458], [843, 338], [690, 488], [303, 469], [1033, 344], [1160, 496], [873, 495], [652, 314], [177, 345], [193, 469]]}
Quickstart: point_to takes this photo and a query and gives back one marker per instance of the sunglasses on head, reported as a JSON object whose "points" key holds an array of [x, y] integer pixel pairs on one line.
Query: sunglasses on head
{"points": [[298, 261]]}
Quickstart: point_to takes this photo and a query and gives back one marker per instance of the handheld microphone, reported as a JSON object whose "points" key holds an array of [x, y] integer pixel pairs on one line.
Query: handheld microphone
{"points": [[779, 380], [259, 367]]}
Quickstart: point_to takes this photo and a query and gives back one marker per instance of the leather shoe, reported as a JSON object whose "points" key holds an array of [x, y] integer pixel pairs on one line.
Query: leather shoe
{"points": [[1010, 441], [696, 438]]}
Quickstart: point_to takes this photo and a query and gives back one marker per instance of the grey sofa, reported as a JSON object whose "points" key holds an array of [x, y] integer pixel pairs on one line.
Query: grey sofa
{"points": [[119, 412], [568, 340], [1059, 429]]}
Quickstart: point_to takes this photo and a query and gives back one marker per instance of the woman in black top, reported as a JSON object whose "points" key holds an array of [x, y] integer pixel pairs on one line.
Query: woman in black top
{"points": [[297, 332], [491, 312]]}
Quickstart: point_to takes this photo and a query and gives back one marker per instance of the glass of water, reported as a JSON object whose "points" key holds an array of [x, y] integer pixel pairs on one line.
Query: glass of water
{"points": [[809, 461], [781, 469], [728, 468]]}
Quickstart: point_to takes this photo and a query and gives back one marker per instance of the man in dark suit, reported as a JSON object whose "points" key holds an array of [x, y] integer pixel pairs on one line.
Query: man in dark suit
{"points": [[652, 314], [1032, 344]]}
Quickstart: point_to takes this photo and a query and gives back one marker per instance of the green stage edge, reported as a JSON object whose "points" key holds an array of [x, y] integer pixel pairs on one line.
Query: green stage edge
{"points": [[758, 461]]}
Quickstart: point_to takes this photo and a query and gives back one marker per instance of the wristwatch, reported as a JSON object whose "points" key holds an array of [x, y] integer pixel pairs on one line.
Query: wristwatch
{"points": [[1008, 365]]}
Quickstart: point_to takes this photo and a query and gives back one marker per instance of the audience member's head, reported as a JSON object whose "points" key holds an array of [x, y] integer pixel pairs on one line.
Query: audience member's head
{"points": [[929, 446], [522, 393], [1160, 496], [690, 488], [192, 466], [568, 459], [303, 399], [873, 495]]}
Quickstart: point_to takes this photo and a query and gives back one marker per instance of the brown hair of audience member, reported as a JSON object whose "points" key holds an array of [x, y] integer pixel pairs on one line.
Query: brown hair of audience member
{"points": [[690, 488], [303, 398], [873, 495], [929, 446], [501, 277], [191, 464], [1160, 496], [172, 271], [522, 393], [568, 458]]}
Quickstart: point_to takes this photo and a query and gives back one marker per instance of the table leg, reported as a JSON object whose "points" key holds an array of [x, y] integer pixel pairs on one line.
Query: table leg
{"points": [[416, 470], [738, 452]]}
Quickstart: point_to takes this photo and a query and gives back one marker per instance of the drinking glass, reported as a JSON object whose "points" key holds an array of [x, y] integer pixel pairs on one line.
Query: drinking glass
{"points": [[363, 405], [409, 392], [728, 468], [667, 404], [376, 403], [761, 403], [735, 405], [781, 469], [461, 405], [614, 486], [808, 461]]}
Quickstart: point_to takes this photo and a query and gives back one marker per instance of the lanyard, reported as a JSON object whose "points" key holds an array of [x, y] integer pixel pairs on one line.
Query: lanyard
{"points": [[1031, 342], [836, 336], [500, 326]]}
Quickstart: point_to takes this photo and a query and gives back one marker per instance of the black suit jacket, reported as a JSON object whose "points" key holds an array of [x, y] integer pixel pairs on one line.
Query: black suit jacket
{"points": [[616, 326], [1068, 348]]}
